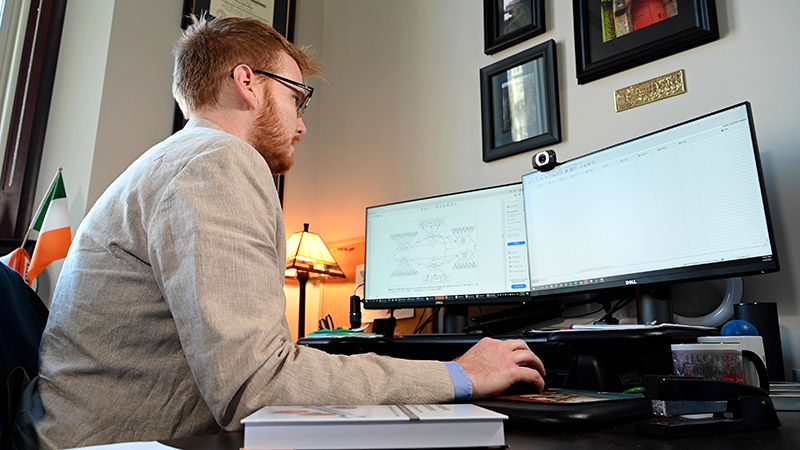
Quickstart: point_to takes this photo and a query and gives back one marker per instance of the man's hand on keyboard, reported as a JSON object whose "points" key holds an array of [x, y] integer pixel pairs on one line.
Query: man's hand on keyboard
{"points": [[494, 365]]}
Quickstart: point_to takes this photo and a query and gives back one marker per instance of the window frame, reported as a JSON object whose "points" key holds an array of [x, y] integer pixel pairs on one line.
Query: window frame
{"points": [[28, 120]]}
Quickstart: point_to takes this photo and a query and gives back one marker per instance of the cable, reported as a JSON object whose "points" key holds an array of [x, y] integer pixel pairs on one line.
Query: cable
{"points": [[421, 316], [430, 319], [620, 304], [425, 323], [573, 366]]}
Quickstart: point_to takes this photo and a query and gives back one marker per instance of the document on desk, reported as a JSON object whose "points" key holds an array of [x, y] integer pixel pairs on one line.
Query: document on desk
{"points": [[145, 445], [624, 327], [637, 326]]}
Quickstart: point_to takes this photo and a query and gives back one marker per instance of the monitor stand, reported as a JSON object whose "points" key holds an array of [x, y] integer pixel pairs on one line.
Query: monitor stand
{"points": [[654, 304], [454, 319]]}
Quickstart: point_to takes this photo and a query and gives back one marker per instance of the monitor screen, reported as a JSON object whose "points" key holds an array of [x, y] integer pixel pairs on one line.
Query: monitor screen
{"points": [[686, 202], [454, 249]]}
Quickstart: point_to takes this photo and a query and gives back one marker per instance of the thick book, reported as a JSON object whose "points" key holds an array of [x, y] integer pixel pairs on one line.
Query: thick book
{"points": [[373, 427]]}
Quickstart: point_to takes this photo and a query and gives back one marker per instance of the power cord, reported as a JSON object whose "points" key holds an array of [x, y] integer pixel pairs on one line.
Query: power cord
{"points": [[609, 314], [421, 326]]}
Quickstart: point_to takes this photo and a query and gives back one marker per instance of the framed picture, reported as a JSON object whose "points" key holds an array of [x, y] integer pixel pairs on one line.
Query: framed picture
{"points": [[278, 14], [509, 22], [616, 35], [519, 103]]}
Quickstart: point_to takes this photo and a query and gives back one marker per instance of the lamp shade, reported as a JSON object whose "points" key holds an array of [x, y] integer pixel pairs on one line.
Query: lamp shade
{"points": [[307, 253]]}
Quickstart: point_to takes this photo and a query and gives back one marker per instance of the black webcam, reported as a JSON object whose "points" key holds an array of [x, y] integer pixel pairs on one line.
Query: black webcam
{"points": [[545, 160]]}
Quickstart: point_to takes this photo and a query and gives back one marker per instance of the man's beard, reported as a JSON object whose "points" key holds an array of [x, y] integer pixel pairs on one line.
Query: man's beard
{"points": [[272, 142]]}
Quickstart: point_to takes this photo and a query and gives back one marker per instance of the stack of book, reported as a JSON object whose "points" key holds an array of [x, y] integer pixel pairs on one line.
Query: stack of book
{"points": [[785, 395], [373, 427]]}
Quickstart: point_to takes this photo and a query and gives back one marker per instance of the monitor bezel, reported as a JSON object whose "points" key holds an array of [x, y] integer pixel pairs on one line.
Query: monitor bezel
{"points": [[520, 297], [738, 268]]}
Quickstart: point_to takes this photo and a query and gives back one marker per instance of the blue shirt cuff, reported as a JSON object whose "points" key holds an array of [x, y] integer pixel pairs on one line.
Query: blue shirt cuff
{"points": [[461, 383]]}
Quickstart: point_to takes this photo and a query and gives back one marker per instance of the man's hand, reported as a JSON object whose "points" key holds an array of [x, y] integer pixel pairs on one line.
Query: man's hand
{"points": [[493, 366]]}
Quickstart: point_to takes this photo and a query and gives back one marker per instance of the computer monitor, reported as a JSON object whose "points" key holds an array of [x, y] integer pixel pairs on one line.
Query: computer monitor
{"points": [[456, 249], [683, 203]]}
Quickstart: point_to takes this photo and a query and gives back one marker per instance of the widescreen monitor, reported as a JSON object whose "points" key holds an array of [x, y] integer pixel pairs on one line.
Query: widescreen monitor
{"points": [[454, 249], [683, 203]]}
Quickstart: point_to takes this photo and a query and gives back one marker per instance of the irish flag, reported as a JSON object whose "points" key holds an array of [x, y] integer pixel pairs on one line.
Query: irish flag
{"points": [[52, 223], [17, 260]]}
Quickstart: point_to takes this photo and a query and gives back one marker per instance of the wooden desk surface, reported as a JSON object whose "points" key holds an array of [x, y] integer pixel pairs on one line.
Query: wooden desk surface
{"points": [[787, 437]]}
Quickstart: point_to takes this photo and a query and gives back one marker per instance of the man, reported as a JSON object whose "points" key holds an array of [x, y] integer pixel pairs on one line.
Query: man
{"points": [[168, 319]]}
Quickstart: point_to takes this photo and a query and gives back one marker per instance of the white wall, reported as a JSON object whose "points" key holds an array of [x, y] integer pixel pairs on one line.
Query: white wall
{"points": [[399, 115], [111, 98], [137, 108]]}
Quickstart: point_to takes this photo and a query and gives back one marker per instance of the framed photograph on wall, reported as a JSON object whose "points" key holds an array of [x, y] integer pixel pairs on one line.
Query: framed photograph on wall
{"points": [[509, 22], [616, 35], [278, 14], [519, 103]]}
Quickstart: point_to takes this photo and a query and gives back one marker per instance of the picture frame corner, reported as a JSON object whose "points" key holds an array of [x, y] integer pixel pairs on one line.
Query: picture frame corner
{"points": [[546, 85], [668, 36], [496, 40]]}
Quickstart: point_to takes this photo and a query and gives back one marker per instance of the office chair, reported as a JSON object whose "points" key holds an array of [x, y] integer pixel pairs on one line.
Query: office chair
{"points": [[23, 316]]}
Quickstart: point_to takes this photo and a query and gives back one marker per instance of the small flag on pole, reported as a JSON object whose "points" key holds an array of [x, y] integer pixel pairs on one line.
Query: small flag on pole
{"points": [[17, 260], [52, 223]]}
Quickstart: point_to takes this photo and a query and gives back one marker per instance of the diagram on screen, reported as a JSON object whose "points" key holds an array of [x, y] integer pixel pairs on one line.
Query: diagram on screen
{"points": [[433, 252]]}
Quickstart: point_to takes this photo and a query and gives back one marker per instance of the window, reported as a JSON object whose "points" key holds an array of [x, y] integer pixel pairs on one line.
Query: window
{"points": [[30, 35]]}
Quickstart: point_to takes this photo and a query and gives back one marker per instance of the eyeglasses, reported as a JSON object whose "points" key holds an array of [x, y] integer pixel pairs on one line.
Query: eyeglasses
{"points": [[308, 91]]}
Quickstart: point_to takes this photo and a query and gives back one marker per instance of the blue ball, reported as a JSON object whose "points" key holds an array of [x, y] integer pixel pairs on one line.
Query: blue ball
{"points": [[739, 328]]}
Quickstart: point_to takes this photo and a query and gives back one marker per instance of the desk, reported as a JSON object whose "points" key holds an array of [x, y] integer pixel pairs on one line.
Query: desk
{"points": [[787, 437], [610, 360]]}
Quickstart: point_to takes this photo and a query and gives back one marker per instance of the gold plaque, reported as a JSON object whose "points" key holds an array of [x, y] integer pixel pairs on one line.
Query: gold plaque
{"points": [[650, 91]]}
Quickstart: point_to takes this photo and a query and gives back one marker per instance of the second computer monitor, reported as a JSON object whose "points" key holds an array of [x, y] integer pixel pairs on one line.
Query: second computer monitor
{"points": [[684, 203]]}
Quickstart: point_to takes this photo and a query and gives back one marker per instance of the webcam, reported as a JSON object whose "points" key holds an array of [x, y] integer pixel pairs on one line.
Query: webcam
{"points": [[544, 161]]}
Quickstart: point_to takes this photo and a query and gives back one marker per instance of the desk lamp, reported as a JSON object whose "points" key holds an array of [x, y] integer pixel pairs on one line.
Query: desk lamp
{"points": [[307, 254]]}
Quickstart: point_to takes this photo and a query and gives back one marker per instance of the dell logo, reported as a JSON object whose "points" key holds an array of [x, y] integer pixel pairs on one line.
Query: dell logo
{"points": [[629, 282]]}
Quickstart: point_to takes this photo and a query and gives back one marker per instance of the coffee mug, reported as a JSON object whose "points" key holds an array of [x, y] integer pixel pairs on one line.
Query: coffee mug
{"points": [[719, 361]]}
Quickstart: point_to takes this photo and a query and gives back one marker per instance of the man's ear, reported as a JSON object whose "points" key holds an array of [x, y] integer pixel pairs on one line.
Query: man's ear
{"points": [[244, 85]]}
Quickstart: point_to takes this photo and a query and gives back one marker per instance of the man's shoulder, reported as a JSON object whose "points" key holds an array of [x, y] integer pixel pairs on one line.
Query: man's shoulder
{"points": [[201, 138], [199, 135], [199, 142]]}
